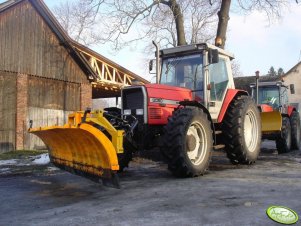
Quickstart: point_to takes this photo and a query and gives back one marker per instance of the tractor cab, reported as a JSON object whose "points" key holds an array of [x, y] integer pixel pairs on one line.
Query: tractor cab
{"points": [[271, 95], [202, 68], [184, 71]]}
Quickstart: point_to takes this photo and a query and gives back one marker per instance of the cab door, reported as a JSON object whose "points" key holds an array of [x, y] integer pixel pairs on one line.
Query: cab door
{"points": [[218, 84]]}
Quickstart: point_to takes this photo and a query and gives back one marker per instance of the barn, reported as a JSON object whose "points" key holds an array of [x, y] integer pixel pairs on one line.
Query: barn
{"points": [[45, 75]]}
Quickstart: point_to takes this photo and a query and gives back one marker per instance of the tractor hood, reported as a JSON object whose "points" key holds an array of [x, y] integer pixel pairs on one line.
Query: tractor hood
{"points": [[158, 93]]}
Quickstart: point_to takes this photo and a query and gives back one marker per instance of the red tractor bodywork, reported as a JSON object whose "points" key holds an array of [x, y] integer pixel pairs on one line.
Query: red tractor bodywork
{"points": [[265, 108], [162, 100], [231, 93], [167, 99]]}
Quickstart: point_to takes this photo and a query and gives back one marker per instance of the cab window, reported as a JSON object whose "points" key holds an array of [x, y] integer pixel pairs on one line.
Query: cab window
{"points": [[218, 80]]}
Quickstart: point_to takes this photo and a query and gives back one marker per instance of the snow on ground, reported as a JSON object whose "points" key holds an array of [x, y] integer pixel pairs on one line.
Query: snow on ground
{"points": [[4, 169], [8, 162], [42, 159]]}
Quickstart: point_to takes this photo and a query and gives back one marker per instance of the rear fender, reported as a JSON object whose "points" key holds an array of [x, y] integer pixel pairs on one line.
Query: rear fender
{"points": [[290, 110], [230, 95]]}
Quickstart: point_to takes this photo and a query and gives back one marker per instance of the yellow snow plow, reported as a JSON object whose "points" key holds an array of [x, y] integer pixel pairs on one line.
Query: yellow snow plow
{"points": [[271, 122], [87, 145]]}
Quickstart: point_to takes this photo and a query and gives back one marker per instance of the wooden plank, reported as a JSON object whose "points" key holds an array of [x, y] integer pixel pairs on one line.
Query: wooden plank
{"points": [[43, 117], [7, 111]]}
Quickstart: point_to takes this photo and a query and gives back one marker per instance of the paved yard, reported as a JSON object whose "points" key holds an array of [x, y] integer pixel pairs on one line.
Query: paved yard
{"points": [[226, 195]]}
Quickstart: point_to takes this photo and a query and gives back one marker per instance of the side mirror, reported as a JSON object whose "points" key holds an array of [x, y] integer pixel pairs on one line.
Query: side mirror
{"points": [[292, 88], [213, 56], [150, 65]]}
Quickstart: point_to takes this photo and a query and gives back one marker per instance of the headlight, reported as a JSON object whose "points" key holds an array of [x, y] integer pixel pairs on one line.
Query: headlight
{"points": [[139, 111], [127, 112]]}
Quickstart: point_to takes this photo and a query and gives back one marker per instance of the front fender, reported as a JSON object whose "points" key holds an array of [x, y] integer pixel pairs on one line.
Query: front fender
{"points": [[230, 95]]}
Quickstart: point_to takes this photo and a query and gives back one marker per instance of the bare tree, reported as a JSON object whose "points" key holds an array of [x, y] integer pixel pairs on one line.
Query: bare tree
{"points": [[79, 19], [235, 66], [272, 9], [170, 22]]}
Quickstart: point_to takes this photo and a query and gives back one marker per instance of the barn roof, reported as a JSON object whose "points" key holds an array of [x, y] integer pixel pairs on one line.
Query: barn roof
{"points": [[76, 49]]}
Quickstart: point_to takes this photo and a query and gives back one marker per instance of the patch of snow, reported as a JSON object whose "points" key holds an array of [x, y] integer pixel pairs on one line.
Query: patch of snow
{"points": [[51, 168], [42, 159], [8, 162], [4, 169], [40, 182]]}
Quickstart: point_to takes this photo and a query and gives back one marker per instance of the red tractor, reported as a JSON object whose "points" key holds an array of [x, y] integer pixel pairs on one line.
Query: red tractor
{"points": [[193, 108], [280, 120]]}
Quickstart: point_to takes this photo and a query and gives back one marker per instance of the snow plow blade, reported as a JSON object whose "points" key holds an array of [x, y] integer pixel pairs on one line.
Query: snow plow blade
{"points": [[81, 148], [271, 122]]}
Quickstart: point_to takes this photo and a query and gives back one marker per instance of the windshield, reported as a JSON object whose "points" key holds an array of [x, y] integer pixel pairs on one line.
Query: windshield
{"points": [[268, 95], [184, 71]]}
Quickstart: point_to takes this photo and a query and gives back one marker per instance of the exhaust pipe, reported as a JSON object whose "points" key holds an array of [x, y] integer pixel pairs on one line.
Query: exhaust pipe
{"points": [[157, 63], [257, 78]]}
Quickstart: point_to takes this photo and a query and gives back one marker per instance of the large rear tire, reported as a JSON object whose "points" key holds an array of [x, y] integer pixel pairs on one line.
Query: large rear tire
{"points": [[284, 140], [188, 139], [295, 127], [242, 131]]}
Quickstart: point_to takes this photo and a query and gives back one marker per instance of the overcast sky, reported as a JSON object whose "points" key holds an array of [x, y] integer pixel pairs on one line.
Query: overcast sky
{"points": [[256, 44]]}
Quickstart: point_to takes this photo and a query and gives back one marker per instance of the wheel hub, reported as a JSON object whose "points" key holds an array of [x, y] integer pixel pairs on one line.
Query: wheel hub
{"points": [[191, 143], [195, 143], [250, 131]]}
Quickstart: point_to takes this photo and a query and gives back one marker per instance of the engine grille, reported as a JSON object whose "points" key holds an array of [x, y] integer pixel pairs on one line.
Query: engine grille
{"points": [[155, 113], [132, 98]]}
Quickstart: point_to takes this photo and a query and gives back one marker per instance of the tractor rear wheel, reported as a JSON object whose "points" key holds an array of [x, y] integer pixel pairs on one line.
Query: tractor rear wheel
{"points": [[295, 127], [284, 140], [242, 131], [188, 139]]}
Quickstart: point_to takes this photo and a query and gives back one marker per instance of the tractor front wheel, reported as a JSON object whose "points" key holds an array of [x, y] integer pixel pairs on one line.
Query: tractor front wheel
{"points": [[242, 131], [295, 127], [189, 141]]}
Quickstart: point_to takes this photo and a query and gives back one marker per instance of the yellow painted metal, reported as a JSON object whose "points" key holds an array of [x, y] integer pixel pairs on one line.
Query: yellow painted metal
{"points": [[83, 147], [96, 117], [117, 135], [271, 121]]}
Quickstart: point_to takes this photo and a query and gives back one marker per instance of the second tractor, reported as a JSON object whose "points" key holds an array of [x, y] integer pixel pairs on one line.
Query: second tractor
{"points": [[281, 120]]}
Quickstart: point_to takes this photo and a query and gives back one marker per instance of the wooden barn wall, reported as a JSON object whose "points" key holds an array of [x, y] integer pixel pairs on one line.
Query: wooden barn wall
{"points": [[43, 117], [28, 46], [49, 103], [7, 111], [53, 94]]}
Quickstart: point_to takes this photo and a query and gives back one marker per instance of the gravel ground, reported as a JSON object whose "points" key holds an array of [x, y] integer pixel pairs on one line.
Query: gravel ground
{"points": [[226, 195]]}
